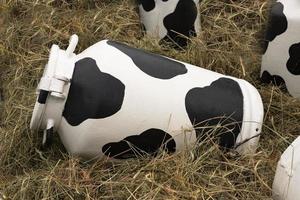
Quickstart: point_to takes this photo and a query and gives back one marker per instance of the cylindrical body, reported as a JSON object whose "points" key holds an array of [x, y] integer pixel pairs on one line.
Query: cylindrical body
{"points": [[118, 99], [281, 59], [287, 177], [172, 21]]}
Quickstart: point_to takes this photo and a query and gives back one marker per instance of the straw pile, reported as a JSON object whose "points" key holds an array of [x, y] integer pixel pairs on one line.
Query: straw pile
{"points": [[229, 44]]}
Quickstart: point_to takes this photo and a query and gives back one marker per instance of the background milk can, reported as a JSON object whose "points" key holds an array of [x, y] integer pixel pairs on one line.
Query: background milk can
{"points": [[119, 101], [281, 59], [172, 21], [287, 177]]}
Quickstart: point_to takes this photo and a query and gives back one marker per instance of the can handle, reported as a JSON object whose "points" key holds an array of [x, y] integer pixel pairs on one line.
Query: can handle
{"points": [[72, 44]]}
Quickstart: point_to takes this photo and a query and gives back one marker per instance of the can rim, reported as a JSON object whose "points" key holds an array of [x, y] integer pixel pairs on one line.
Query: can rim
{"points": [[42, 94], [247, 140]]}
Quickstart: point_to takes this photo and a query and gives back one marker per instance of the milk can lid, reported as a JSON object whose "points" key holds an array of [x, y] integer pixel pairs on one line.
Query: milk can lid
{"points": [[56, 75]]}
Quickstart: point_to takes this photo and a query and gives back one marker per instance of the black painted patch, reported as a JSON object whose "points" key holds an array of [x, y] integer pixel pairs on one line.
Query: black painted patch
{"points": [[48, 138], [148, 5], [1, 95], [181, 23], [93, 94], [277, 24], [143, 28], [220, 103], [293, 64], [152, 64], [266, 77], [147, 143], [43, 95]]}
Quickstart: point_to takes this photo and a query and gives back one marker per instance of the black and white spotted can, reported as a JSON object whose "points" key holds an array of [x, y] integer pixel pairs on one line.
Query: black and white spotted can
{"points": [[281, 58], [170, 20], [117, 101]]}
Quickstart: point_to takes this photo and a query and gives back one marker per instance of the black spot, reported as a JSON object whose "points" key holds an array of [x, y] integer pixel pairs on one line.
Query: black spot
{"points": [[148, 5], [152, 64], [277, 24], [1, 95], [266, 77], [147, 143], [144, 31], [43, 95], [181, 23], [143, 27], [48, 139], [220, 103], [293, 64], [93, 94]]}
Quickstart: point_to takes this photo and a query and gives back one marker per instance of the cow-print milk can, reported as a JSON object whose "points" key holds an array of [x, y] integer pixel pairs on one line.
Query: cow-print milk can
{"points": [[281, 59], [170, 20], [117, 101]]}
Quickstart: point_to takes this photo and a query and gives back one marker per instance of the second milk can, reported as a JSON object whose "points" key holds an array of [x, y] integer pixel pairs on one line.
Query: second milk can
{"points": [[117, 101]]}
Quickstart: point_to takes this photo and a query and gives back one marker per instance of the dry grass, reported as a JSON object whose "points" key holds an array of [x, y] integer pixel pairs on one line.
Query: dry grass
{"points": [[229, 44]]}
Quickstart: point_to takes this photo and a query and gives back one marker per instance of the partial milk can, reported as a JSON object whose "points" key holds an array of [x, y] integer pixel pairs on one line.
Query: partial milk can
{"points": [[287, 177], [281, 59], [172, 21], [121, 102]]}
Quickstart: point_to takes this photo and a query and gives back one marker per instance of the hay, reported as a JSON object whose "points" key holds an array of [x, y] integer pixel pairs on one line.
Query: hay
{"points": [[228, 44]]}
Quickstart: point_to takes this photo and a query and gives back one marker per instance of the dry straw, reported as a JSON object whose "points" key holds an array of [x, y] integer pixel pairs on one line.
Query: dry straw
{"points": [[229, 43]]}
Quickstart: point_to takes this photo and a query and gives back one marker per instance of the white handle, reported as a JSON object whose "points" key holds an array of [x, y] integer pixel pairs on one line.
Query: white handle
{"points": [[72, 45]]}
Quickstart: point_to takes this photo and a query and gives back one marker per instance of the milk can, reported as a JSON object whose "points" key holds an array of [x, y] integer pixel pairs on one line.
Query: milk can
{"points": [[117, 101], [173, 21], [287, 177], [281, 59]]}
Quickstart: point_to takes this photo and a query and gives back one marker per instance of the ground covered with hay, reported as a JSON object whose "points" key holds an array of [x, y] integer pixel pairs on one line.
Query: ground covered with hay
{"points": [[229, 44]]}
